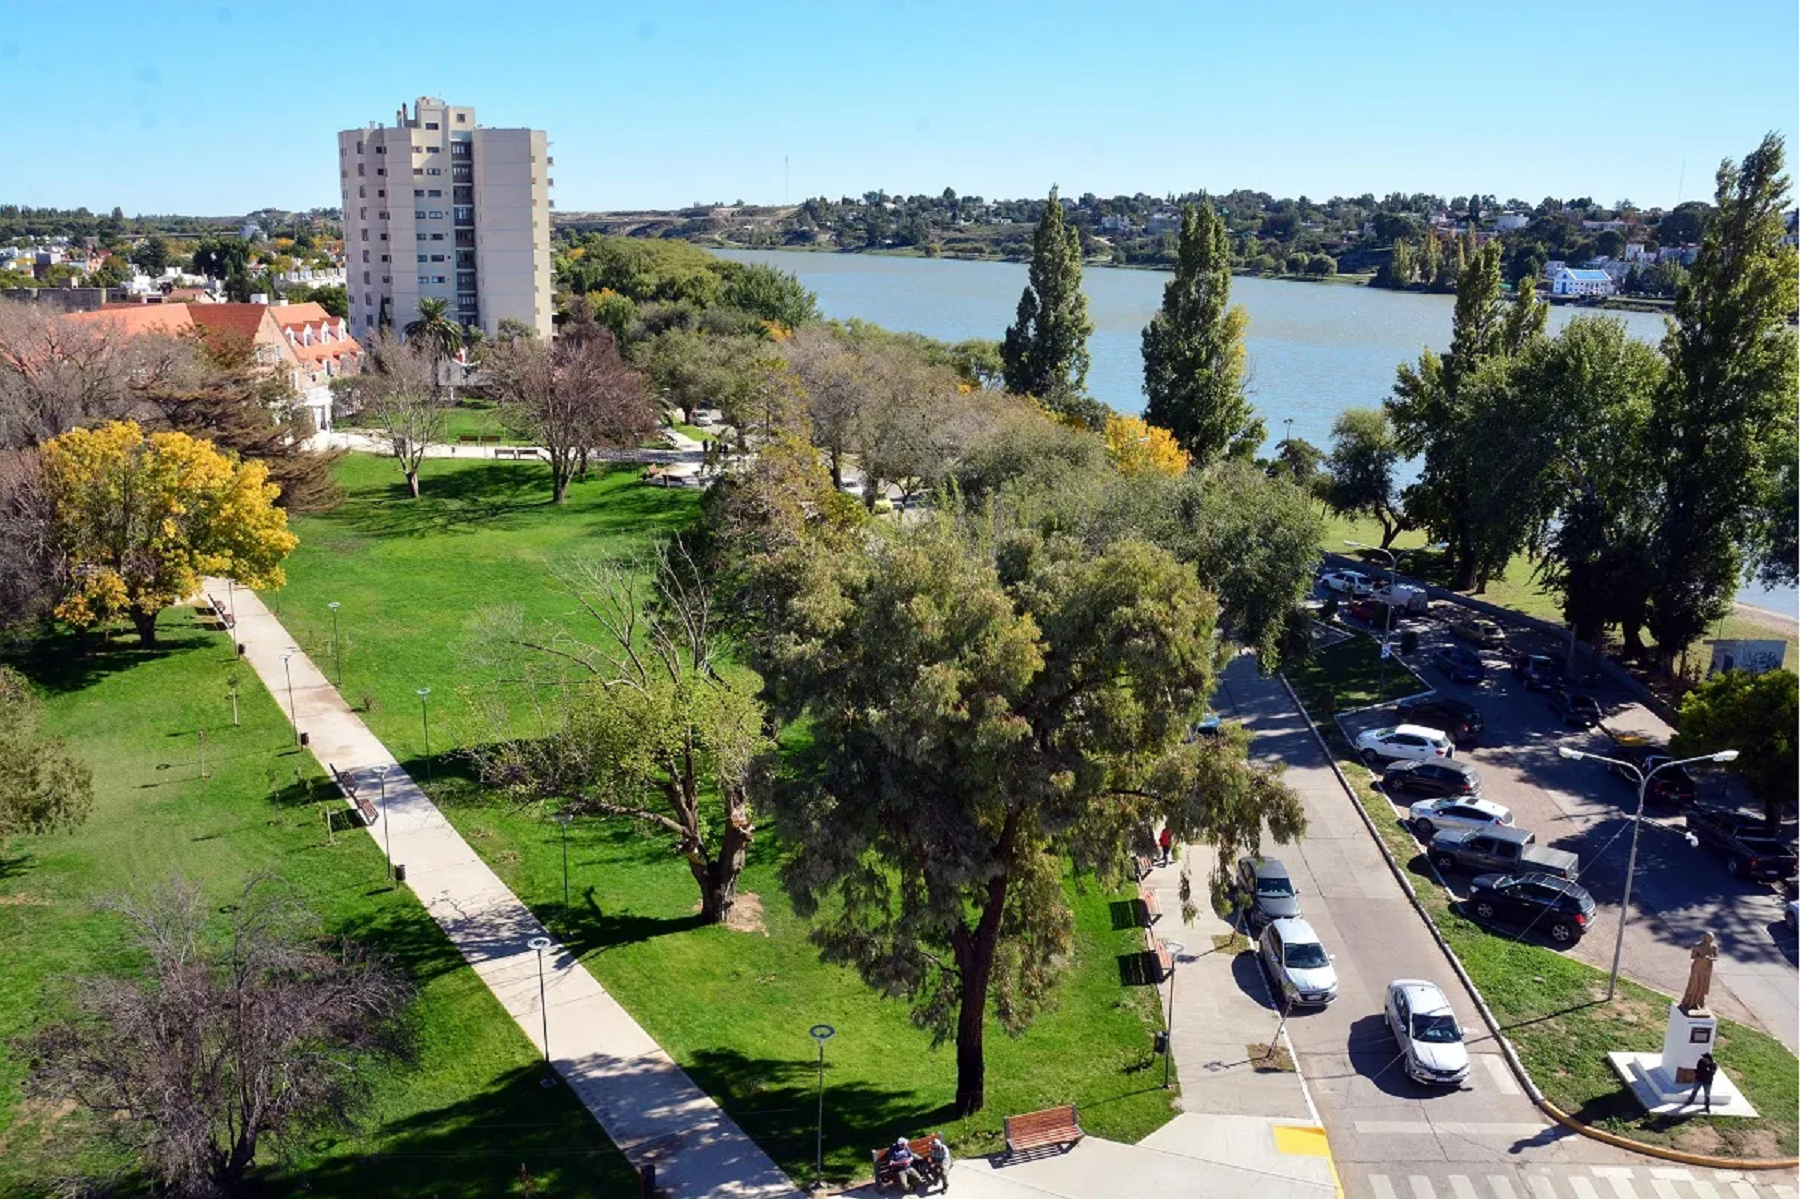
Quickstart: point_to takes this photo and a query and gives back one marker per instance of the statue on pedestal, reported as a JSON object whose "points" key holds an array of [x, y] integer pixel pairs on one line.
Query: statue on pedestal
{"points": [[1703, 953]]}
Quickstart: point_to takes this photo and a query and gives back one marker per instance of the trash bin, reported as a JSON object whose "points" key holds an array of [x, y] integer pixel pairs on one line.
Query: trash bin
{"points": [[305, 740], [1409, 642], [399, 872], [1160, 1041]]}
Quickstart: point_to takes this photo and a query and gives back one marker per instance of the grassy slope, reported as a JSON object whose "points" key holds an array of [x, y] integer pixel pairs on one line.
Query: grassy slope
{"points": [[732, 1007], [1550, 1004], [457, 1121]]}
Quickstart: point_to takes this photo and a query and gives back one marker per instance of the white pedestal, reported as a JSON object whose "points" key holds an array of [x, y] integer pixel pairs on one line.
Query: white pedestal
{"points": [[1663, 1081]]}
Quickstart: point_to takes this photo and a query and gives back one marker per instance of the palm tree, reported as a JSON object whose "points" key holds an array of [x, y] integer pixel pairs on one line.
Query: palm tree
{"points": [[435, 332]]}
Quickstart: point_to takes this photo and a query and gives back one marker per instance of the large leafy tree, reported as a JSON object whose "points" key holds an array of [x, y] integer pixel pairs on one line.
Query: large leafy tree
{"points": [[1194, 349], [1755, 714], [139, 520], [1442, 409], [1591, 388], [43, 787], [396, 391], [985, 701], [1364, 454], [1044, 352], [1727, 410], [436, 332]]}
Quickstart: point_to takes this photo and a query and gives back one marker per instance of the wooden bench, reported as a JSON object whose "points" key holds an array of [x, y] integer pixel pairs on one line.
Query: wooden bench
{"points": [[1152, 909], [222, 612], [347, 788], [468, 439], [490, 439], [1055, 1127], [1141, 863], [1165, 961], [921, 1149]]}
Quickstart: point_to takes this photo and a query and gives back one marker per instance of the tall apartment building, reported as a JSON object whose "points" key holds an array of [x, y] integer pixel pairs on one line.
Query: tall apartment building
{"points": [[436, 205]]}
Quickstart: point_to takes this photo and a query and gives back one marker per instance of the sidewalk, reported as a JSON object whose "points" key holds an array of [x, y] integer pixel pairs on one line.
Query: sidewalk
{"points": [[648, 1106], [683, 449]]}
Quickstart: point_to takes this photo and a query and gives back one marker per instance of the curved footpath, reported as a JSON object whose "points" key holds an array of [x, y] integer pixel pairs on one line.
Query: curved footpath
{"points": [[645, 1102]]}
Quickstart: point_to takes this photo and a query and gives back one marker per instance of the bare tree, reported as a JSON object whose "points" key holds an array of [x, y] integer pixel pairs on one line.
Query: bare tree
{"points": [[57, 373], [573, 397], [31, 562], [916, 422], [397, 392], [639, 722], [263, 1034], [836, 380]]}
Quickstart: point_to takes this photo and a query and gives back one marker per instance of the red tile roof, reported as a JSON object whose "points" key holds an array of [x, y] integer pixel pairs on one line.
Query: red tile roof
{"points": [[135, 319]]}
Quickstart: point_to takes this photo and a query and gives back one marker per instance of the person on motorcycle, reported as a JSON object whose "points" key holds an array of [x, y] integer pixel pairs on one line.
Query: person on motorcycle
{"points": [[901, 1167]]}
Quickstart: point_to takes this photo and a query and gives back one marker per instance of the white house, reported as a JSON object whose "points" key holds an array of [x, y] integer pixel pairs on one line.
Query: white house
{"points": [[1613, 226], [1569, 282], [1115, 222], [1508, 221], [1163, 220]]}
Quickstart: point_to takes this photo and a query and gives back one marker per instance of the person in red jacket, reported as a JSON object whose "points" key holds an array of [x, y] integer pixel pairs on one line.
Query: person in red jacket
{"points": [[1167, 841]]}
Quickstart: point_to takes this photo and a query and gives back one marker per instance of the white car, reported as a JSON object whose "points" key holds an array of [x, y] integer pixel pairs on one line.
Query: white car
{"points": [[1298, 965], [1431, 1041], [1349, 582], [1409, 742], [1457, 812]]}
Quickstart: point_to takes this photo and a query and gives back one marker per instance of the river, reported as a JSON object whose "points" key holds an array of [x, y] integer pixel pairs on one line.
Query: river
{"points": [[1313, 349]]}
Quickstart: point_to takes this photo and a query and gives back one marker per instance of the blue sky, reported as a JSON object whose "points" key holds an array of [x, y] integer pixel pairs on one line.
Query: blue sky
{"points": [[219, 108]]}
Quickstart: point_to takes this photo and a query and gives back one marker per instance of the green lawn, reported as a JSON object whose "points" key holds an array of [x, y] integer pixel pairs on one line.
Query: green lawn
{"points": [[1516, 588], [732, 1007], [457, 1120], [1552, 1005], [696, 432]]}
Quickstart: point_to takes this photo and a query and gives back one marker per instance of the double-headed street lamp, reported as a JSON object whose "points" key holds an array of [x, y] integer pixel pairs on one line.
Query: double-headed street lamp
{"points": [[1176, 949], [1643, 778]]}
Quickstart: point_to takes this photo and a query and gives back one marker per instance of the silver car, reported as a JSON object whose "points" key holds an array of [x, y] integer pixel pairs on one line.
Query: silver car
{"points": [[1431, 1041], [1297, 963]]}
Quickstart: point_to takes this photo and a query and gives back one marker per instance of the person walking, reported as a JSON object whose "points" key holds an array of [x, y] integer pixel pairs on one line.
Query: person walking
{"points": [[1167, 841], [1704, 1070]]}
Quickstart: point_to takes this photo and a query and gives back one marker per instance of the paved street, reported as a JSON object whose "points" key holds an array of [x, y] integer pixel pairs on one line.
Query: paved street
{"points": [[1380, 1122], [1680, 891]]}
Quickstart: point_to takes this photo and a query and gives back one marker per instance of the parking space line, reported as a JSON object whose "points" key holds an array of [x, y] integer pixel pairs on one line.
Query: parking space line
{"points": [[1504, 1082]]}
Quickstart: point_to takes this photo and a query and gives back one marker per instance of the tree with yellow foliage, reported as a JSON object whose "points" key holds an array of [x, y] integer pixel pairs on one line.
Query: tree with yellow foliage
{"points": [[138, 520], [1137, 448]]}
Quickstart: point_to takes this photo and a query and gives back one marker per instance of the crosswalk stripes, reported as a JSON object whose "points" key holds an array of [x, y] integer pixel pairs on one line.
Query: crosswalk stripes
{"points": [[1579, 1182]]}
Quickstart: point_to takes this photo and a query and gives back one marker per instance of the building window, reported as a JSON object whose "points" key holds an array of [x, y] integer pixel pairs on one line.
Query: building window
{"points": [[381, 193], [421, 258], [421, 237], [418, 191], [418, 171], [431, 149], [384, 215], [368, 321], [465, 215], [381, 149], [359, 148], [436, 193], [365, 277], [434, 170], [365, 235], [418, 214], [459, 149], [461, 117], [362, 193], [365, 256], [437, 258], [359, 168], [381, 170], [431, 124], [362, 214], [437, 214], [437, 237], [384, 258]]}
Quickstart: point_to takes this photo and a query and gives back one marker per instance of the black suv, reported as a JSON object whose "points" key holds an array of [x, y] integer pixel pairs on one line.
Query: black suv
{"points": [[1460, 720], [1576, 708], [1431, 778], [1559, 909]]}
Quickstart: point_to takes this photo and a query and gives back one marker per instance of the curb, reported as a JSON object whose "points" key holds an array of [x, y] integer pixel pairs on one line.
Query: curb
{"points": [[1506, 1049]]}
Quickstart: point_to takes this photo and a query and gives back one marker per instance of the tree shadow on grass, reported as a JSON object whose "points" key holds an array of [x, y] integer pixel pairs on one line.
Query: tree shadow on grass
{"points": [[457, 501], [472, 1148], [61, 665], [775, 1101]]}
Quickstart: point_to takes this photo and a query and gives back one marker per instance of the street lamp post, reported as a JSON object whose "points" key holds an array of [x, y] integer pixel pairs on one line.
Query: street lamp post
{"points": [[337, 652], [538, 945], [293, 713], [820, 1033], [1637, 823], [387, 826], [1176, 949], [424, 693]]}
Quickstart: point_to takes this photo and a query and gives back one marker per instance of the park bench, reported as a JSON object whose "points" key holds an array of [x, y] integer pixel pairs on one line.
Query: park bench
{"points": [[1054, 1127], [1165, 961], [921, 1148], [490, 439], [468, 439], [347, 788], [1141, 864], [226, 619], [1152, 909]]}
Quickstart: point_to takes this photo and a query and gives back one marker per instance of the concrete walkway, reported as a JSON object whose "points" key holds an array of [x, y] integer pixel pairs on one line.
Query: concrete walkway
{"points": [[682, 448], [647, 1105]]}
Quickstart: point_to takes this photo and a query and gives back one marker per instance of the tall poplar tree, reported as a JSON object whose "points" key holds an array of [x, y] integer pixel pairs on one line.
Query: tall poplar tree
{"points": [[1727, 409], [1194, 349], [1044, 353]]}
